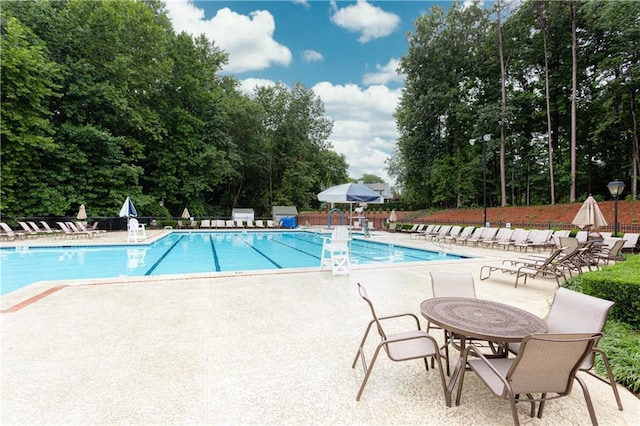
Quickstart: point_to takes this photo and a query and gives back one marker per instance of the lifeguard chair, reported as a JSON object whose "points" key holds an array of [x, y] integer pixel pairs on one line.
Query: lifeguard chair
{"points": [[335, 251]]}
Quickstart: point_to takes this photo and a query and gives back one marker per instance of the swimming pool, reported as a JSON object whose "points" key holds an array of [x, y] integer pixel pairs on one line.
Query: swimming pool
{"points": [[189, 253]]}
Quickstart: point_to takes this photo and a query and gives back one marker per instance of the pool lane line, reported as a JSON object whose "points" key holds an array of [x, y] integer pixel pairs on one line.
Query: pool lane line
{"points": [[263, 255], [216, 261], [297, 249], [155, 265], [32, 300]]}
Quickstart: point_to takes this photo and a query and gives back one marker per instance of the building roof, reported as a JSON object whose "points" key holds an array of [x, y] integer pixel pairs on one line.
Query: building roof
{"points": [[284, 210], [242, 211], [381, 188]]}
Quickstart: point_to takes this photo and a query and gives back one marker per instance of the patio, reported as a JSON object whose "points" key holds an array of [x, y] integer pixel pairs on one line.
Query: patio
{"points": [[250, 348]]}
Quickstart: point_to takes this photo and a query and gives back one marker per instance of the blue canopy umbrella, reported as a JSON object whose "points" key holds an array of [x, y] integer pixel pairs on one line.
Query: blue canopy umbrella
{"points": [[128, 210], [350, 193]]}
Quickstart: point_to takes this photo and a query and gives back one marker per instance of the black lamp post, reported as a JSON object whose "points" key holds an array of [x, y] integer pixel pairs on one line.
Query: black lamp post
{"points": [[486, 138], [615, 188]]}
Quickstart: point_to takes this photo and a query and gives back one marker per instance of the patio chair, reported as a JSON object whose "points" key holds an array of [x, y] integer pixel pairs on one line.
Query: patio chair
{"points": [[452, 284], [271, 224], [421, 231], [205, 223], [543, 269], [607, 254], [574, 312], [259, 223], [441, 233], [135, 230], [401, 346], [335, 251], [631, 241], [546, 364]]}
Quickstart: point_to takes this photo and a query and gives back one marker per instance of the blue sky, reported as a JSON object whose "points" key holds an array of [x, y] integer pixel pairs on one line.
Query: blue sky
{"points": [[345, 51]]}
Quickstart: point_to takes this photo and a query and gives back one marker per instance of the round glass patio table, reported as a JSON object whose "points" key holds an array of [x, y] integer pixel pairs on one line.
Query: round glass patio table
{"points": [[482, 319]]}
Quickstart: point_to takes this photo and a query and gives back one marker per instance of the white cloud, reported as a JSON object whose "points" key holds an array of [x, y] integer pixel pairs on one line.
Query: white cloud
{"points": [[249, 84], [370, 21], [384, 74], [312, 56], [364, 129], [247, 39]]}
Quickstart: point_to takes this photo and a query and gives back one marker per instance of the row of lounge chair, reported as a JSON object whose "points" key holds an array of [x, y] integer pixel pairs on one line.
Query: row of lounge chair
{"points": [[222, 224], [68, 229], [507, 238], [570, 256]]}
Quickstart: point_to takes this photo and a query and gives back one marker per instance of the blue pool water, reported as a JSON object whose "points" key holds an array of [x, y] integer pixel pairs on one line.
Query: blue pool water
{"points": [[188, 253]]}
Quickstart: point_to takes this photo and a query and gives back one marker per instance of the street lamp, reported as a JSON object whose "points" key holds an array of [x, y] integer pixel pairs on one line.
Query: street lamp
{"points": [[486, 138], [615, 188]]}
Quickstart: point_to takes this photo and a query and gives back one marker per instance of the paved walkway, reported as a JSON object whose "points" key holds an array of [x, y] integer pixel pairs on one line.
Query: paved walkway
{"points": [[252, 348]]}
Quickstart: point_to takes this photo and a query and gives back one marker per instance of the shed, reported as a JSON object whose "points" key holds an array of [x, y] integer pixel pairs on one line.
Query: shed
{"points": [[242, 214], [278, 212]]}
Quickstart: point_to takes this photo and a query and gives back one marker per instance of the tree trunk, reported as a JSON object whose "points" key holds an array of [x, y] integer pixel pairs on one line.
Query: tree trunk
{"points": [[636, 150], [574, 90], [543, 24], [503, 78]]}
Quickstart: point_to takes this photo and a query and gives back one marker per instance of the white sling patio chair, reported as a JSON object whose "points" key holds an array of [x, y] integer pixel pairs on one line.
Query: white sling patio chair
{"points": [[401, 346]]}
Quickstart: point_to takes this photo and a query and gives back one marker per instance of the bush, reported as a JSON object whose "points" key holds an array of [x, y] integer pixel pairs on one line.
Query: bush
{"points": [[619, 283]]}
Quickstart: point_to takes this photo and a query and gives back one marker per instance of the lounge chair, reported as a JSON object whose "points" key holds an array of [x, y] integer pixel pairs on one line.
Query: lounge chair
{"points": [[519, 236], [414, 228], [538, 239], [543, 269], [250, 224], [46, 229], [259, 223], [502, 236], [136, 230], [451, 235], [271, 224], [422, 231], [574, 312], [81, 228], [465, 233], [335, 251], [546, 364], [9, 233], [77, 231], [68, 232], [230, 223], [441, 233], [400, 346], [582, 236], [477, 232], [27, 230], [205, 223], [239, 223], [631, 241], [487, 234]]}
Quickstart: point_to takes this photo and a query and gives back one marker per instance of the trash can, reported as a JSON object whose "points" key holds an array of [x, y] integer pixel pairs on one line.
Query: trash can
{"points": [[289, 222]]}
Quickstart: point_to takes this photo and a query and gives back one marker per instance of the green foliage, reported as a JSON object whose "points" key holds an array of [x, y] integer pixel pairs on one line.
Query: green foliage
{"points": [[143, 113], [452, 94], [619, 283], [621, 343]]}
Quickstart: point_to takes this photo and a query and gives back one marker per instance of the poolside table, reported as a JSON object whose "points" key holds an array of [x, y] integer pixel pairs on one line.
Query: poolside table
{"points": [[480, 319]]}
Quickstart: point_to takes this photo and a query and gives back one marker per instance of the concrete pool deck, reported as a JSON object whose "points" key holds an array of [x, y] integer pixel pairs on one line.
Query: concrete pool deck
{"points": [[252, 348]]}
